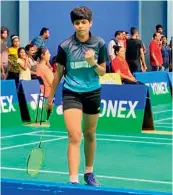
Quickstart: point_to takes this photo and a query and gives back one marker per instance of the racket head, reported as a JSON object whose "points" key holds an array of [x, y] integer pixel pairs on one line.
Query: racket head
{"points": [[35, 161]]}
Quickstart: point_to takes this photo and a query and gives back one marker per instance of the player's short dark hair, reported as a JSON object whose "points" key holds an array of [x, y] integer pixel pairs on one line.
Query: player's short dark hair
{"points": [[133, 30], [43, 30], [80, 13], [158, 26]]}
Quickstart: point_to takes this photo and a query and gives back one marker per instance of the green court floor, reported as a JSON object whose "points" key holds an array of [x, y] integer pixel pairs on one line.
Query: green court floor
{"points": [[140, 161]]}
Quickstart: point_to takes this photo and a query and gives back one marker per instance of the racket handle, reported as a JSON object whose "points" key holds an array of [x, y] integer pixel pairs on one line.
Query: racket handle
{"points": [[48, 114]]}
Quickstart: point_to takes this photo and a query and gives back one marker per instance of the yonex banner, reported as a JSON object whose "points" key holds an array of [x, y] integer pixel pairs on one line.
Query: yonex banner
{"points": [[160, 97], [31, 90], [170, 77], [121, 109], [9, 106]]}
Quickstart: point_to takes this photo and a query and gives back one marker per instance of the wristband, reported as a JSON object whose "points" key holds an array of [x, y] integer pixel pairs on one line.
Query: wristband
{"points": [[95, 66]]}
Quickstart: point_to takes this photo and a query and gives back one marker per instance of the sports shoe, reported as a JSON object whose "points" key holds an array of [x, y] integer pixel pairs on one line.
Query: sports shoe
{"points": [[90, 180], [73, 183]]}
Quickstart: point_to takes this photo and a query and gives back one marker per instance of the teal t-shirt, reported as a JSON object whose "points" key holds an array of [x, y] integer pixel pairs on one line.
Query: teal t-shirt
{"points": [[79, 75]]}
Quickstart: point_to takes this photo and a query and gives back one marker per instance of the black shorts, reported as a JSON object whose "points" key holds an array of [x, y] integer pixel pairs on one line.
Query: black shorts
{"points": [[88, 102]]}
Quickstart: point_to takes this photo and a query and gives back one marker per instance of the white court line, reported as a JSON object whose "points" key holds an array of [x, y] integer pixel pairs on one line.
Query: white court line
{"points": [[164, 119], [162, 111], [28, 144], [160, 125], [117, 140], [98, 176], [16, 135], [123, 136]]}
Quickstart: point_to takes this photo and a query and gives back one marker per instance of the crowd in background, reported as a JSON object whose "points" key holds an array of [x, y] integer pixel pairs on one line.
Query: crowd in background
{"points": [[126, 54]]}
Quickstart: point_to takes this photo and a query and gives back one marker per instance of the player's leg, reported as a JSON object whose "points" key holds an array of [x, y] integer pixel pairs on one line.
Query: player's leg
{"points": [[73, 117], [91, 108]]}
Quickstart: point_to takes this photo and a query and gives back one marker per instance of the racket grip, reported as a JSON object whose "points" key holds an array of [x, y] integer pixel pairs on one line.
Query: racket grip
{"points": [[48, 114]]}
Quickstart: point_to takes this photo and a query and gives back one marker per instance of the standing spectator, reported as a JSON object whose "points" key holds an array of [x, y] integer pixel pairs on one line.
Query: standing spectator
{"points": [[25, 73], [30, 51], [4, 52], [171, 47], [166, 53], [44, 71], [13, 72], [39, 42], [159, 29], [156, 59], [15, 44], [116, 41], [135, 52]]}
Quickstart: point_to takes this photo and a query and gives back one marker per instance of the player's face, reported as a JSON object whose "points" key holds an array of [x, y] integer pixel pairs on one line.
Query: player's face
{"points": [[82, 27]]}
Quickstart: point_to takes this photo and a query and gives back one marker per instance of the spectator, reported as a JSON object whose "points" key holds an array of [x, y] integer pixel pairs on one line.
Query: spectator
{"points": [[171, 47], [166, 53], [159, 29], [127, 35], [30, 51], [44, 71], [13, 72], [116, 41], [39, 42], [15, 44], [119, 65], [135, 52], [156, 59], [25, 73], [4, 52]]}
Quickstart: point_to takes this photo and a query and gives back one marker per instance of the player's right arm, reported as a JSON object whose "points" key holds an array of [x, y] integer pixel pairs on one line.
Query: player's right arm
{"points": [[60, 62]]}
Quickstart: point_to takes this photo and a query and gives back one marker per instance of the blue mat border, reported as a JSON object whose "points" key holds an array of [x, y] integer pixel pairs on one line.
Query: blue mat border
{"points": [[23, 187]]}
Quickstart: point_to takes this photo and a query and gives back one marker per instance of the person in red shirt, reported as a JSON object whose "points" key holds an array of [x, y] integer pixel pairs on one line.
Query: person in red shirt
{"points": [[119, 65], [156, 59]]}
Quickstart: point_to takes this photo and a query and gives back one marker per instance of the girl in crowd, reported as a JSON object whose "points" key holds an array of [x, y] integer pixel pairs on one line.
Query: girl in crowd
{"points": [[44, 71], [25, 73]]}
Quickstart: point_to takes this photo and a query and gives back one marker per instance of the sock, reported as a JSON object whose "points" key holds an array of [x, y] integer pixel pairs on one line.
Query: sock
{"points": [[89, 170], [74, 178]]}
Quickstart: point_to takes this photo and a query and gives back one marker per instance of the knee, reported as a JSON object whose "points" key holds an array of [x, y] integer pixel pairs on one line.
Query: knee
{"points": [[89, 136], [75, 138]]}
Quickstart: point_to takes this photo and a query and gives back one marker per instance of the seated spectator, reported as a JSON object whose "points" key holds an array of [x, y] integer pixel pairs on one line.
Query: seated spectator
{"points": [[15, 44], [4, 52], [30, 51], [119, 65], [44, 71], [116, 41], [25, 73], [166, 53]]}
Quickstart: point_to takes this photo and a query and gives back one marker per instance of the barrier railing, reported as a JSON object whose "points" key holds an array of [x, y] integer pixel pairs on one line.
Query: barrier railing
{"points": [[160, 98]]}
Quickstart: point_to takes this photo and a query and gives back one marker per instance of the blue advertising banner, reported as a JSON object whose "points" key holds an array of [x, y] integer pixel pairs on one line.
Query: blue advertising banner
{"points": [[170, 77], [9, 105], [160, 98], [31, 90]]}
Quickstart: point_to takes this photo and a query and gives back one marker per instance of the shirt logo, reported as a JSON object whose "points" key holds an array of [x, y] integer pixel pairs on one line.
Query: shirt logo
{"points": [[80, 64]]}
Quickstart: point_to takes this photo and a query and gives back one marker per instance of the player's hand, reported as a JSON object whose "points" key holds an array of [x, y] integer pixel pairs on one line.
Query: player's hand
{"points": [[49, 107], [89, 57]]}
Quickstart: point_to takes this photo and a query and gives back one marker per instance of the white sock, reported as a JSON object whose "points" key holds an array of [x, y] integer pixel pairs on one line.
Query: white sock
{"points": [[74, 178], [89, 170]]}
